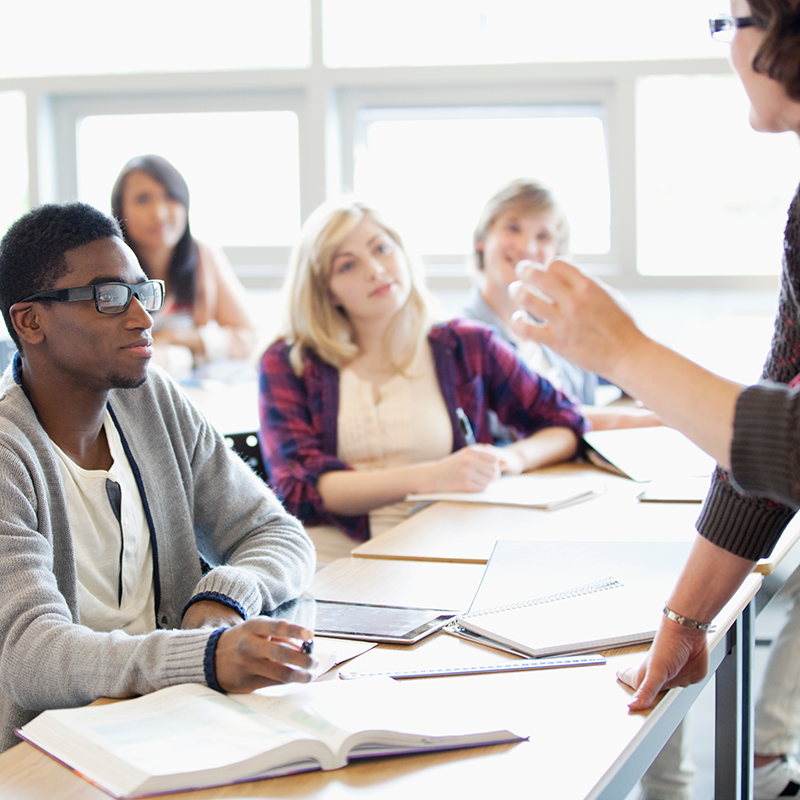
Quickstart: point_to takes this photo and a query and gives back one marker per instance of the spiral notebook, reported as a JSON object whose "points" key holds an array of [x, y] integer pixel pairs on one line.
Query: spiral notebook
{"points": [[615, 608]]}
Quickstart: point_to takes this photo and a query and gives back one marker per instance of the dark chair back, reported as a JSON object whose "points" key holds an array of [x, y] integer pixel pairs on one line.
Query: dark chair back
{"points": [[246, 445]]}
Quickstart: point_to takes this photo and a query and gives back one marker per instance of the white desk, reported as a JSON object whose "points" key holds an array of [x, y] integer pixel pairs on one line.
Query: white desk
{"points": [[584, 743], [466, 532]]}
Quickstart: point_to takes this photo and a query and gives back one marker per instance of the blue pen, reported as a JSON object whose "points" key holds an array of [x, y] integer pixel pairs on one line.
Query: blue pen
{"points": [[466, 428]]}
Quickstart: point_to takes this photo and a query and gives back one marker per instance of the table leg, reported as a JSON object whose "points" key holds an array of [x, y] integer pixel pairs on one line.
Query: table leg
{"points": [[733, 779]]}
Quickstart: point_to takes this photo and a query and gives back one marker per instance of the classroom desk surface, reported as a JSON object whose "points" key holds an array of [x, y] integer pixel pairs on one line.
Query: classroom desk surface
{"points": [[466, 532], [581, 734]]}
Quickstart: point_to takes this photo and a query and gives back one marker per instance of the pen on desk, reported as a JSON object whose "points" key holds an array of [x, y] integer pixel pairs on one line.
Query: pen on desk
{"points": [[466, 428]]}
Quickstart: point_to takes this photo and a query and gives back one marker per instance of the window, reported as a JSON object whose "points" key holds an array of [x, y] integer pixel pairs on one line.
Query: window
{"points": [[432, 170], [365, 33], [242, 168], [712, 193], [14, 198], [627, 109], [95, 36]]}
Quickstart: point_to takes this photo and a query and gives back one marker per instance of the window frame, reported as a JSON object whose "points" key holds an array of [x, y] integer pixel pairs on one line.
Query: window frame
{"points": [[327, 100], [68, 110], [409, 103]]}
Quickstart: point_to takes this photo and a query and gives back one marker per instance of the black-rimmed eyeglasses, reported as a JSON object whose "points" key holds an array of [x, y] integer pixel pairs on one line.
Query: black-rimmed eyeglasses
{"points": [[723, 27], [110, 298]]}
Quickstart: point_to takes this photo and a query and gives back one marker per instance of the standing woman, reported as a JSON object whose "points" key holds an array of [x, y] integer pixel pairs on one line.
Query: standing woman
{"points": [[753, 432], [204, 310], [361, 398]]}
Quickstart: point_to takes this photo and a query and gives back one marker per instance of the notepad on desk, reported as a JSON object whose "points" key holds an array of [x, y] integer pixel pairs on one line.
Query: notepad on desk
{"points": [[532, 491], [554, 598], [189, 736], [644, 454], [676, 490]]}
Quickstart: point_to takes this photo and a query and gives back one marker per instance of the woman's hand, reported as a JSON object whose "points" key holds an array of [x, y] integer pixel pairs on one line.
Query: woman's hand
{"points": [[470, 469], [581, 320], [512, 462], [578, 317], [678, 657], [261, 652]]}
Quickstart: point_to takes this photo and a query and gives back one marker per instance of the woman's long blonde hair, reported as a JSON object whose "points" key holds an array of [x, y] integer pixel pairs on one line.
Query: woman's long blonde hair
{"points": [[313, 322]]}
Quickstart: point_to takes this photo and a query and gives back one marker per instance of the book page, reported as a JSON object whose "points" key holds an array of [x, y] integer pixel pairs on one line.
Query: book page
{"points": [[390, 715], [189, 736], [182, 729]]}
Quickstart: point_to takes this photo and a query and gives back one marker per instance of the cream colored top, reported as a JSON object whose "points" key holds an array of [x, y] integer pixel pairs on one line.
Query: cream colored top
{"points": [[403, 421]]}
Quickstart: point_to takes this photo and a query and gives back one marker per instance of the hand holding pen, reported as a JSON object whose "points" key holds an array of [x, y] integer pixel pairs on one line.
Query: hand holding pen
{"points": [[510, 462], [261, 652]]}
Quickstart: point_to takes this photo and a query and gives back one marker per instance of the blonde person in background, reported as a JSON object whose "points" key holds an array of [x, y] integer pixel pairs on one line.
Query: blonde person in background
{"points": [[205, 316], [361, 396], [524, 221]]}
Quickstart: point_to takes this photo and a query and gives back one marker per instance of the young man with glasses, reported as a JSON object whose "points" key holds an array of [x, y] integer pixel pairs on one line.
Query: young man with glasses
{"points": [[111, 488]]}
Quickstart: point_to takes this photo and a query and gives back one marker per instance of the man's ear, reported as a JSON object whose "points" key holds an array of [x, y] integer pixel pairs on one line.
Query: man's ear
{"points": [[27, 323]]}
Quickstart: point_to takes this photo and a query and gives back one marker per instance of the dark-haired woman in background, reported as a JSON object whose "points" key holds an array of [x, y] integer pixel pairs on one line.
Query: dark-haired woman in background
{"points": [[205, 312]]}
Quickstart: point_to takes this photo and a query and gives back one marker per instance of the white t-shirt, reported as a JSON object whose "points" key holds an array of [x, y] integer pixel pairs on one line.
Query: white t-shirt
{"points": [[116, 589]]}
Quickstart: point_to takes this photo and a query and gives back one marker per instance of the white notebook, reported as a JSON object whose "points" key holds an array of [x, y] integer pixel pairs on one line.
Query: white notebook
{"points": [[591, 596], [532, 491], [644, 454]]}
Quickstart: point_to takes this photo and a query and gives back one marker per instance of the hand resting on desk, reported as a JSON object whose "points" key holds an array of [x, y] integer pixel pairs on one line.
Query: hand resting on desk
{"points": [[678, 657], [679, 654]]}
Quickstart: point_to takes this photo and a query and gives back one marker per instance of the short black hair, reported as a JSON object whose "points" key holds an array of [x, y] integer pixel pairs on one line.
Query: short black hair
{"points": [[32, 250]]}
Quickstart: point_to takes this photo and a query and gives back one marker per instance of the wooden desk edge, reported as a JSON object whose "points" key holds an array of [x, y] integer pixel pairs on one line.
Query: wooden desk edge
{"points": [[744, 595], [438, 560]]}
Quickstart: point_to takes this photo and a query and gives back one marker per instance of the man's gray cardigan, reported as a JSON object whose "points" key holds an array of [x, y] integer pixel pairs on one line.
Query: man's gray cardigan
{"points": [[199, 498]]}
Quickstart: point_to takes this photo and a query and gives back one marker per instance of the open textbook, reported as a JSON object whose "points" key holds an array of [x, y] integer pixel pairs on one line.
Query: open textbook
{"points": [[533, 491], [189, 736], [554, 598]]}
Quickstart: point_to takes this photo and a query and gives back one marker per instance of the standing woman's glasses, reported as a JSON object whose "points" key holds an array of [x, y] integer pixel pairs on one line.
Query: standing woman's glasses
{"points": [[723, 27]]}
